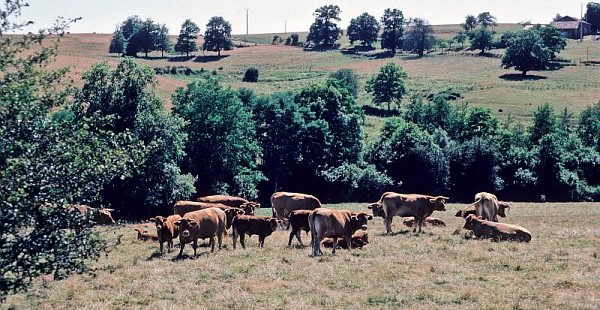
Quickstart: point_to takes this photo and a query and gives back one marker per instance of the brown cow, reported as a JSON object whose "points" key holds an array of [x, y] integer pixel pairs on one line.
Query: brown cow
{"points": [[359, 239], [100, 216], [486, 206], [182, 207], [232, 201], [166, 230], [433, 221], [298, 221], [377, 207], [262, 226], [415, 205], [283, 203], [205, 223], [334, 224], [470, 209], [145, 235], [496, 231]]}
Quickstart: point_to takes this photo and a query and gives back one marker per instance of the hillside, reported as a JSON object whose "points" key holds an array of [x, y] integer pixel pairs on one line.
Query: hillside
{"points": [[480, 80]]}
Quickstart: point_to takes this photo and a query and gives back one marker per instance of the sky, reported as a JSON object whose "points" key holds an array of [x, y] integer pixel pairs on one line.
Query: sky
{"points": [[275, 16]]}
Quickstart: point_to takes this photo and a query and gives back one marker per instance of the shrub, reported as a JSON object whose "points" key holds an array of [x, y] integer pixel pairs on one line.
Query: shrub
{"points": [[251, 75]]}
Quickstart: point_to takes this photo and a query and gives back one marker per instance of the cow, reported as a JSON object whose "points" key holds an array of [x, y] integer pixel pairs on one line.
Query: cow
{"points": [[470, 209], [232, 201], [433, 221], [377, 207], [284, 202], [359, 239], [145, 235], [262, 226], [182, 207], [496, 231], [205, 223], [415, 205], [298, 221], [100, 216], [166, 230], [325, 222], [486, 206]]}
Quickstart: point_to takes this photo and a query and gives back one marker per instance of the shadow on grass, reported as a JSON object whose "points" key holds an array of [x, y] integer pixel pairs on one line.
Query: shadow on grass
{"points": [[520, 77], [210, 58], [181, 58]]}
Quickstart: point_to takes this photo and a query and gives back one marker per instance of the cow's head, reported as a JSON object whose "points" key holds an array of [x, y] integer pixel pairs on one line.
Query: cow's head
{"points": [[502, 206], [103, 216], [159, 221], [466, 211], [230, 214], [274, 223], [249, 207], [377, 209], [360, 220], [472, 221], [185, 226], [438, 203]]}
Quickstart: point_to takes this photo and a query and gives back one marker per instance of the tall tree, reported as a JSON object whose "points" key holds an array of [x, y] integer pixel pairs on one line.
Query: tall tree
{"points": [[324, 32], [460, 37], [186, 41], [470, 23], [392, 22], [217, 36], [481, 39], [130, 28], [117, 42], [364, 28], [163, 43], [592, 15], [419, 36], [526, 52], [486, 19], [388, 85], [552, 38]]}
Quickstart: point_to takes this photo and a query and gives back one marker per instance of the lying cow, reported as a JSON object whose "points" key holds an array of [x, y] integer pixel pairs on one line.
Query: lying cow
{"points": [[359, 239], [470, 209], [253, 225], [415, 205], [298, 221], [206, 223], [166, 230], [433, 221], [496, 231], [335, 224], [283, 203], [232, 201], [145, 235], [182, 207], [100, 216]]}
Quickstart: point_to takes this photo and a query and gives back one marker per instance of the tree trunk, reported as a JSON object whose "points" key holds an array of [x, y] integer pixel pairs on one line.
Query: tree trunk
{"points": [[524, 73], [219, 53]]}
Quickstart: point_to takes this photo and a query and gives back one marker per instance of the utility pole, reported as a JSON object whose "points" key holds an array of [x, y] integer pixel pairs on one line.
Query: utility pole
{"points": [[246, 38], [581, 22], [285, 26]]}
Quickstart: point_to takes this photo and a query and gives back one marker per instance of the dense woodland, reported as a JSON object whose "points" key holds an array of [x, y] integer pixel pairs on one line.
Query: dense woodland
{"points": [[112, 143]]}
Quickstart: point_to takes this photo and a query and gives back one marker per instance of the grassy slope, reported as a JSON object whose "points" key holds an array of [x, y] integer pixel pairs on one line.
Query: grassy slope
{"points": [[438, 269]]}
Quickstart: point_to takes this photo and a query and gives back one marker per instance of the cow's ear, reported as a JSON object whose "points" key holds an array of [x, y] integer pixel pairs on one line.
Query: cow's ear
{"points": [[152, 219], [193, 223], [369, 217], [178, 222]]}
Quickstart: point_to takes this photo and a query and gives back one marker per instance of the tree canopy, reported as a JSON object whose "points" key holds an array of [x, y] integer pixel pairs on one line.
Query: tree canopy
{"points": [[592, 15], [388, 85], [217, 36], [419, 36], [470, 23], [526, 52], [392, 22], [140, 35], [364, 28], [481, 39], [186, 41], [324, 32]]}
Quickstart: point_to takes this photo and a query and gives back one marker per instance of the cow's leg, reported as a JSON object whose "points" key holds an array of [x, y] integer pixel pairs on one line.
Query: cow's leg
{"points": [[388, 224], [261, 241], [291, 237], [195, 246], [334, 244], [349, 242], [299, 237], [220, 239], [242, 240], [234, 237], [161, 246], [182, 244], [212, 240]]}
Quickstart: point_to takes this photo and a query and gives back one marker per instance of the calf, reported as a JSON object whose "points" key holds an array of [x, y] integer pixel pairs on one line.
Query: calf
{"points": [[359, 239], [253, 225], [144, 235], [206, 223], [298, 221], [166, 230], [470, 209], [496, 231], [100, 216], [335, 224], [433, 221]]}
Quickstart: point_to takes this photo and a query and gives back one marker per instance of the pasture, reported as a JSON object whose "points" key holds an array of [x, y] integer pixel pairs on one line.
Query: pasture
{"points": [[558, 269]]}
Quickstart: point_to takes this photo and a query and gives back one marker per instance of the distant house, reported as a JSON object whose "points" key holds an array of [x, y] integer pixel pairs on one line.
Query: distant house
{"points": [[569, 27]]}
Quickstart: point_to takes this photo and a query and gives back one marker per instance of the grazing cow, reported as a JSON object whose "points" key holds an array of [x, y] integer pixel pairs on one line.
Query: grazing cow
{"points": [[166, 230], [496, 231], [145, 235], [205, 223], [415, 205], [283, 203], [470, 209], [100, 216], [359, 239], [253, 225], [334, 224], [298, 221], [433, 221], [377, 207], [182, 207], [232, 201]]}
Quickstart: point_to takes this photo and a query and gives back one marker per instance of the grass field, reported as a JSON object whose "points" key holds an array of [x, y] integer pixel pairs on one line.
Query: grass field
{"points": [[439, 269]]}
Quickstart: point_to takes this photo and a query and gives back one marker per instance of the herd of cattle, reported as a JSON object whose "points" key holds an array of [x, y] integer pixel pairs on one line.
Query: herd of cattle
{"points": [[211, 217]]}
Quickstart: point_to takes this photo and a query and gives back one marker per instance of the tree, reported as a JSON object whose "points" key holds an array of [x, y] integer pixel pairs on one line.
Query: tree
{"points": [[364, 28], [346, 79], [544, 123], [222, 148], [163, 43], [145, 37], [481, 39], [324, 32], [589, 126], [392, 22], [418, 37], [592, 15], [129, 28], [526, 52], [552, 38], [388, 85], [461, 37], [470, 23], [117, 43], [186, 41], [217, 36], [486, 19]]}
